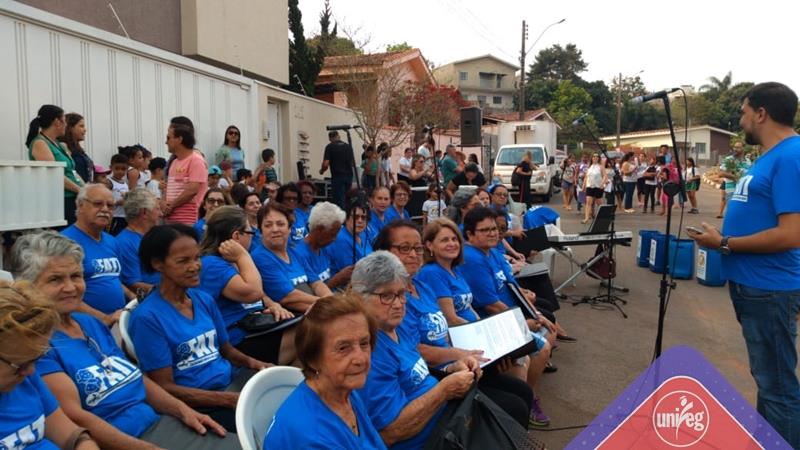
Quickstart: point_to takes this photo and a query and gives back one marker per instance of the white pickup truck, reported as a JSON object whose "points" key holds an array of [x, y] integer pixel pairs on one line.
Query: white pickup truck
{"points": [[542, 183]]}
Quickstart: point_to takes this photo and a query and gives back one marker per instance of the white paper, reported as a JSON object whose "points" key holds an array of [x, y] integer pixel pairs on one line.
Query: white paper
{"points": [[497, 335]]}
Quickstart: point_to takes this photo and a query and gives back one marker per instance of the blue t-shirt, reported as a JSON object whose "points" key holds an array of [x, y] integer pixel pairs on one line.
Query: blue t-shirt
{"points": [[110, 386], [444, 285], [392, 214], [200, 228], [101, 270], [164, 337], [768, 190], [485, 277], [22, 415], [328, 431], [375, 225], [316, 263], [278, 277], [215, 274], [398, 375], [424, 319], [340, 252], [128, 250], [299, 228]]}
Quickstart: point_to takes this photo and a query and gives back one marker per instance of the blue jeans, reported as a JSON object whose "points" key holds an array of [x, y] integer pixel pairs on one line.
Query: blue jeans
{"points": [[339, 187], [630, 189], [769, 326]]}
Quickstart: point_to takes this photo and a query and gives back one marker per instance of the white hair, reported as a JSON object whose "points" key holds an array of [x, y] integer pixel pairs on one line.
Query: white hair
{"points": [[137, 201], [377, 269], [32, 252], [325, 215]]}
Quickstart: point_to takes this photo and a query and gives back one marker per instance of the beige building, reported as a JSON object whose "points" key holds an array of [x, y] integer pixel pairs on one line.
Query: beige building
{"points": [[486, 81], [706, 144]]}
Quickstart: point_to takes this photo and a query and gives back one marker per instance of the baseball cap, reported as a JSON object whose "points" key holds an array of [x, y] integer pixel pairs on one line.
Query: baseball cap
{"points": [[214, 170], [225, 165], [101, 170]]}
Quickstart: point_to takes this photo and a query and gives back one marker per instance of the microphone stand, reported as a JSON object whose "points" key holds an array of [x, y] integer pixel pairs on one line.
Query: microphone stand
{"points": [[609, 297], [360, 198], [670, 188]]}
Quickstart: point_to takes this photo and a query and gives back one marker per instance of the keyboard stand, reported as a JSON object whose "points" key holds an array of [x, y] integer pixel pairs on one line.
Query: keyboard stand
{"points": [[584, 268]]}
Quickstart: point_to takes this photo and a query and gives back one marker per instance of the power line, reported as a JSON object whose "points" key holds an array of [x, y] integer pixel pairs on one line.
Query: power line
{"points": [[454, 9]]}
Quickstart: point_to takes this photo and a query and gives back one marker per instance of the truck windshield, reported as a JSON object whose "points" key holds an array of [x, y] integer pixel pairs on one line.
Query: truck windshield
{"points": [[512, 156]]}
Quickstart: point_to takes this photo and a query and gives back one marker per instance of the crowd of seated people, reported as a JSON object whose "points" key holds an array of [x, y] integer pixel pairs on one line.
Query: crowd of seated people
{"points": [[368, 294]]}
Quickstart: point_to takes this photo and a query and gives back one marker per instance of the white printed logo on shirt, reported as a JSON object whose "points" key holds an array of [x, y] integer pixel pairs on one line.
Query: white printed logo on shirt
{"points": [[25, 436], [198, 351], [106, 267], [301, 279], [419, 372], [436, 324], [325, 275], [501, 278], [742, 192], [111, 375], [463, 301]]}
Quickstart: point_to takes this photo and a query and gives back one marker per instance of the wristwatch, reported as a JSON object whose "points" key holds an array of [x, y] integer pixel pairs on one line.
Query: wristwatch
{"points": [[723, 246]]}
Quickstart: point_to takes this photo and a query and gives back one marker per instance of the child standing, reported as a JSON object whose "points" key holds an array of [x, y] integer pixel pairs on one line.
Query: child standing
{"points": [[119, 189], [156, 169], [266, 173], [100, 175], [692, 180], [432, 208]]}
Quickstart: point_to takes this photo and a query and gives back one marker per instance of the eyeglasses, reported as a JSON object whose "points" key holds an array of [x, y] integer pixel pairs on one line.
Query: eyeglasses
{"points": [[98, 204], [501, 194], [405, 249], [250, 232], [233, 133], [289, 199], [19, 368], [215, 201], [388, 298], [361, 217], [400, 194], [487, 230]]}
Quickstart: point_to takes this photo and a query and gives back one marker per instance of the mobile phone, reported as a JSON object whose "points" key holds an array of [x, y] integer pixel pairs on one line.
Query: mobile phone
{"points": [[694, 230]]}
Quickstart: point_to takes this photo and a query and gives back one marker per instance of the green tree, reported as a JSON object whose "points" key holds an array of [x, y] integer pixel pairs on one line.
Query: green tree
{"points": [[403, 46], [304, 64], [570, 101], [716, 87], [558, 63]]}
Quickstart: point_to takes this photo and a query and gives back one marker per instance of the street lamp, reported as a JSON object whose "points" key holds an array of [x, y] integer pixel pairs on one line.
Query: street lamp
{"points": [[524, 52], [619, 102]]}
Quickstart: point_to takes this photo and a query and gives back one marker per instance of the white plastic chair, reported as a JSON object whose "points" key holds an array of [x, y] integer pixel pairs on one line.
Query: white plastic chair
{"points": [[6, 276], [549, 254], [124, 320], [259, 401]]}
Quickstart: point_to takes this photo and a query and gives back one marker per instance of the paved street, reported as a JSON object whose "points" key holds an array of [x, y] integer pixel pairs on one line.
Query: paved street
{"points": [[613, 351]]}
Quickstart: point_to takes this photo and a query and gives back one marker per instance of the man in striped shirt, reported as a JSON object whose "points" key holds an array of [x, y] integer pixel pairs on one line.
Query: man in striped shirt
{"points": [[188, 176]]}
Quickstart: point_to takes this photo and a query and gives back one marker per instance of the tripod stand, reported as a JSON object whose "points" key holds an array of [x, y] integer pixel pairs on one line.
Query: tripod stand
{"points": [[609, 298]]}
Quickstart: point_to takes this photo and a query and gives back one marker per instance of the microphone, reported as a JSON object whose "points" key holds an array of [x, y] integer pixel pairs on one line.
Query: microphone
{"points": [[653, 96], [580, 119], [341, 127]]}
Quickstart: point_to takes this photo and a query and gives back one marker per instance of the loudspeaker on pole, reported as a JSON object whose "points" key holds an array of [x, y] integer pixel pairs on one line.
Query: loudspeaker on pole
{"points": [[471, 120]]}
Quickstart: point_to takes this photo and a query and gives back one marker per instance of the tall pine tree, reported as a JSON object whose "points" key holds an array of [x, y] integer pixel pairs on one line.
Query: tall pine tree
{"points": [[304, 65]]}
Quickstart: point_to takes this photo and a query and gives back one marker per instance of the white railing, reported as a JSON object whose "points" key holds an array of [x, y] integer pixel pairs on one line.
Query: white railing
{"points": [[31, 194]]}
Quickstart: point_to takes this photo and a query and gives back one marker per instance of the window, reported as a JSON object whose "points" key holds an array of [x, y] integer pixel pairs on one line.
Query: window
{"points": [[700, 149], [499, 81], [497, 100], [462, 76], [487, 80], [482, 99]]}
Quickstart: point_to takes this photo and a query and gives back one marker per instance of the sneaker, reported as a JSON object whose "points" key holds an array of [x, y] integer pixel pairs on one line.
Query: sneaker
{"points": [[537, 418], [694, 211]]}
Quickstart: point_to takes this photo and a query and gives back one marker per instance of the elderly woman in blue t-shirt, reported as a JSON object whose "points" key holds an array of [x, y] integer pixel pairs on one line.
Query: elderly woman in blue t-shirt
{"points": [[334, 343], [29, 414], [96, 385], [179, 334]]}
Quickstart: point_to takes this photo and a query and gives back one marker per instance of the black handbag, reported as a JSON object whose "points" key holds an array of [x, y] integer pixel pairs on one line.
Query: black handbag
{"points": [[476, 422], [258, 322], [515, 177]]}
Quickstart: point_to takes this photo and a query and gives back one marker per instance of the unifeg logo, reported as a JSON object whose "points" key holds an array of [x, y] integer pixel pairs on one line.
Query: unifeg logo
{"points": [[680, 418]]}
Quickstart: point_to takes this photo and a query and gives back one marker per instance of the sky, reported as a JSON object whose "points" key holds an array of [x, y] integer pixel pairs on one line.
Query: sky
{"points": [[674, 43]]}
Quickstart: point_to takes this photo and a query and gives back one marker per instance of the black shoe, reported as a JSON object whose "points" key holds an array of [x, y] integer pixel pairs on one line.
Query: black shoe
{"points": [[550, 368], [565, 338]]}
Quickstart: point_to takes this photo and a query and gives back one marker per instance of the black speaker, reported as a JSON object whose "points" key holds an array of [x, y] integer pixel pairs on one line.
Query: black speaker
{"points": [[471, 119]]}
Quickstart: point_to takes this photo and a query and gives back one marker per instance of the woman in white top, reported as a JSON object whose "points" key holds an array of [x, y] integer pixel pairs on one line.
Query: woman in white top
{"points": [[692, 180], [629, 180], [593, 184]]}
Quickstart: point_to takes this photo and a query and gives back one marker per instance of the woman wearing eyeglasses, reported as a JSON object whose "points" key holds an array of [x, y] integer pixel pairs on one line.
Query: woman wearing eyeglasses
{"points": [[97, 386], [230, 276], [213, 199], [289, 196], [283, 276], [340, 252], [400, 194], [231, 149]]}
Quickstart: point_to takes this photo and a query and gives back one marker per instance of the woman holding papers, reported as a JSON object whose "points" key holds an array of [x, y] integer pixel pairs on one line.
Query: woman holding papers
{"points": [[404, 401]]}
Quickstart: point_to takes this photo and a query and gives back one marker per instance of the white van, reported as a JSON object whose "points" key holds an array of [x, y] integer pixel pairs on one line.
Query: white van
{"points": [[509, 156]]}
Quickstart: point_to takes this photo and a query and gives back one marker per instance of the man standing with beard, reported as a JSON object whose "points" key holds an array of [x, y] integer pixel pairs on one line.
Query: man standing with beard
{"points": [[760, 244]]}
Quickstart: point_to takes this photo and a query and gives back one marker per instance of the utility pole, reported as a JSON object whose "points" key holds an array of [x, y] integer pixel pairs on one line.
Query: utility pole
{"points": [[522, 72], [619, 106]]}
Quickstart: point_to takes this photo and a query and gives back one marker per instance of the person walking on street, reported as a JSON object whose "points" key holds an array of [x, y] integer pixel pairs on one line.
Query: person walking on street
{"points": [[760, 244]]}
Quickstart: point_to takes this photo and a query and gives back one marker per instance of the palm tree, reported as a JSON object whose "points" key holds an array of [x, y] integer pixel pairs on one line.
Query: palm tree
{"points": [[716, 87]]}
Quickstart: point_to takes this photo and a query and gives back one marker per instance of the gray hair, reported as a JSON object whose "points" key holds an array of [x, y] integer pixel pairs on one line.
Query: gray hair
{"points": [[460, 200], [377, 269], [137, 201], [32, 252], [84, 191], [325, 215]]}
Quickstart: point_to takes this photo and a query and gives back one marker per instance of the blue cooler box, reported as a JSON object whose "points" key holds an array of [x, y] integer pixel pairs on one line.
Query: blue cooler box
{"points": [[656, 259], [643, 247], [681, 258], [709, 267]]}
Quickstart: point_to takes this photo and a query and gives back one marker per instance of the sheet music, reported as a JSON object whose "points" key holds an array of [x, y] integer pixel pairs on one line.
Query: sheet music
{"points": [[497, 335]]}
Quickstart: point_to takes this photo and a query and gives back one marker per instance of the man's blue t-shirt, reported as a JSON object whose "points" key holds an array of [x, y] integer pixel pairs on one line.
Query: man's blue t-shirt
{"points": [[101, 270], [316, 263], [767, 191], [328, 431], [299, 228], [392, 214], [398, 375], [424, 319], [22, 415], [110, 386], [128, 250], [278, 277], [340, 252], [444, 285], [215, 274], [164, 337]]}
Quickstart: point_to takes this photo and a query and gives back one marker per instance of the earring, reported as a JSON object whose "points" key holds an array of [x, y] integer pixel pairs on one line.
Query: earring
{"points": [[316, 374]]}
